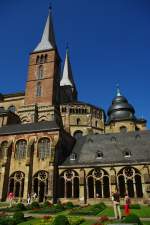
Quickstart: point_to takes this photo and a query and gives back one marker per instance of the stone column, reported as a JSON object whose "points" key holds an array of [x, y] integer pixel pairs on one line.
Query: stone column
{"points": [[2, 181], [82, 187], [51, 183]]}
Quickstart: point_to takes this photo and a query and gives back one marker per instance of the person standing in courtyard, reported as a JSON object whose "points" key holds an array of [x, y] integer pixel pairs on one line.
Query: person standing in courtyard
{"points": [[28, 199], [116, 204], [10, 198], [127, 205]]}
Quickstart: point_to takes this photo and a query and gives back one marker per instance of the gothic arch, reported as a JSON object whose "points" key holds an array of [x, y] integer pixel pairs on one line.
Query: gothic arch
{"points": [[69, 184], [40, 184], [78, 134], [129, 181], [20, 149], [97, 182], [44, 148], [16, 183]]}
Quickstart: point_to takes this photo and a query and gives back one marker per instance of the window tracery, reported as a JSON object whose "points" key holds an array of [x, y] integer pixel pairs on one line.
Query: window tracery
{"points": [[21, 147], [44, 148]]}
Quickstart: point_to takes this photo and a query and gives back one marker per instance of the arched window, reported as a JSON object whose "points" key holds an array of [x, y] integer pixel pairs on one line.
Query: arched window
{"points": [[37, 59], [44, 148], [3, 149], [40, 72], [123, 129], [41, 59], [78, 121], [38, 89], [40, 184], [78, 134], [96, 123], [16, 183], [45, 58], [12, 108], [21, 148], [129, 181], [98, 184], [69, 184]]}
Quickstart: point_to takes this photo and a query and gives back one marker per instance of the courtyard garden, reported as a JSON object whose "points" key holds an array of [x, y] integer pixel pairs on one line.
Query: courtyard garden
{"points": [[69, 214]]}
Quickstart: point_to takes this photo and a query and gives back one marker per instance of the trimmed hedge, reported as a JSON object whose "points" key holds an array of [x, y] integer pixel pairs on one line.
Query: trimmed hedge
{"points": [[132, 219], [18, 217], [89, 210], [20, 206], [34, 205], [132, 206], [61, 220]]}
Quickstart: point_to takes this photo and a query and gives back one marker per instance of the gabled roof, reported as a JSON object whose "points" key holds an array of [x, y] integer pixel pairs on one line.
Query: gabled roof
{"points": [[113, 146], [48, 38]]}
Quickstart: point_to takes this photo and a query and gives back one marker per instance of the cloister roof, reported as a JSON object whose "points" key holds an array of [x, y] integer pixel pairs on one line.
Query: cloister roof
{"points": [[28, 128], [111, 149]]}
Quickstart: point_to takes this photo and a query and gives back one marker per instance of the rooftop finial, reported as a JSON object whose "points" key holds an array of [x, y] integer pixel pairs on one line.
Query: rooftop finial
{"points": [[67, 45], [118, 90], [50, 7]]}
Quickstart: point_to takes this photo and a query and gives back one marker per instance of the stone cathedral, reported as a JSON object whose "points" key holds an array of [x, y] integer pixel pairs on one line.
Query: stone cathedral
{"points": [[63, 149]]}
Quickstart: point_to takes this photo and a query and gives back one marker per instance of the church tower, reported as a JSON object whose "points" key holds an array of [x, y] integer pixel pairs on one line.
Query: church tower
{"points": [[68, 92], [42, 94], [43, 73]]}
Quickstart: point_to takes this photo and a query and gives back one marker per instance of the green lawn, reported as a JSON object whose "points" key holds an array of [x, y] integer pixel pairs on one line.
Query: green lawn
{"points": [[143, 212]]}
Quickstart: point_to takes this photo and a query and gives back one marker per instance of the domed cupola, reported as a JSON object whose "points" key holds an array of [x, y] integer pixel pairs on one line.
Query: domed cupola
{"points": [[120, 110]]}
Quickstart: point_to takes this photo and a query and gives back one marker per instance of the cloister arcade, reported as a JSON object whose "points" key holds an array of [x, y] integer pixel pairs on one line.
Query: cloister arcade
{"points": [[97, 184]]}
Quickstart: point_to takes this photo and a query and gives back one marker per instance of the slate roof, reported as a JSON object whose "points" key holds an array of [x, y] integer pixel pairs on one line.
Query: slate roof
{"points": [[28, 128], [113, 146]]}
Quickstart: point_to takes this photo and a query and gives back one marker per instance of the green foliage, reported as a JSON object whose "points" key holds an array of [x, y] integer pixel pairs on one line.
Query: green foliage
{"points": [[75, 220], [69, 205], [34, 205], [61, 219], [18, 217], [132, 219], [20, 206], [47, 204], [7, 221], [132, 206], [53, 209], [89, 210]]}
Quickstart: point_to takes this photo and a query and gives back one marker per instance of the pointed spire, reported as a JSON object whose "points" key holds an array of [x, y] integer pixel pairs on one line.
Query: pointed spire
{"points": [[48, 38], [67, 77], [118, 90]]}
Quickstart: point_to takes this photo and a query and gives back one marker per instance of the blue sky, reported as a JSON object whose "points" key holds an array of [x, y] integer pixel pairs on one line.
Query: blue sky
{"points": [[109, 43]]}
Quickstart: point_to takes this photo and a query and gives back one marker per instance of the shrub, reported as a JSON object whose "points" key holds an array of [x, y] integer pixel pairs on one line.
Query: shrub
{"points": [[18, 217], [135, 206], [63, 220], [7, 221], [132, 219], [89, 210], [20, 206], [69, 205], [47, 204], [76, 220], [59, 206], [34, 205]]}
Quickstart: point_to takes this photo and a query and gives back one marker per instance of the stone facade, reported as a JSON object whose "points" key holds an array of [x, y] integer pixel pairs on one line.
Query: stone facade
{"points": [[39, 129]]}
